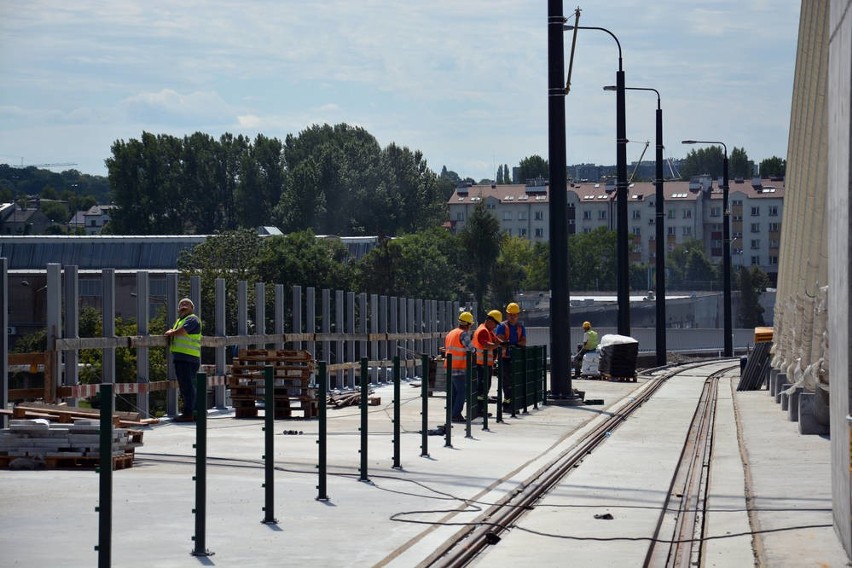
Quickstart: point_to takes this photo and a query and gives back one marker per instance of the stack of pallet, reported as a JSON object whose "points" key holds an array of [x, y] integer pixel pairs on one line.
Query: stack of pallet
{"points": [[38, 444], [292, 377]]}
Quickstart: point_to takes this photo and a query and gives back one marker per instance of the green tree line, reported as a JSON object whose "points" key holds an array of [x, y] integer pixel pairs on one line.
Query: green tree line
{"points": [[330, 179]]}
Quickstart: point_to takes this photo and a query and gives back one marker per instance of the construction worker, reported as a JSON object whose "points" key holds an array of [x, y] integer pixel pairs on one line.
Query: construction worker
{"points": [[184, 340], [510, 333], [457, 344], [590, 343], [486, 343]]}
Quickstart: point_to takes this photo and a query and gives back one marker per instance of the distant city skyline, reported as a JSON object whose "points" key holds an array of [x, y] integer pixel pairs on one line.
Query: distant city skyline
{"points": [[464, 83]]}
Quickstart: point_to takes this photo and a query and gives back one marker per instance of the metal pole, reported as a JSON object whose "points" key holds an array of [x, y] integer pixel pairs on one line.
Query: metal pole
{"points": [[200, 510], [726, 261], [660, 245], [448, 424], [397, 395], [560, 378], [269, 445], [424, 408], [365, 390], [622, 239], [104, 507], [322, 436]]}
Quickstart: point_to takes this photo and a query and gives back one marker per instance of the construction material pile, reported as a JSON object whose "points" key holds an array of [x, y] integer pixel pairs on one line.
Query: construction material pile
{"points": [[38, 444], [618, 357]]}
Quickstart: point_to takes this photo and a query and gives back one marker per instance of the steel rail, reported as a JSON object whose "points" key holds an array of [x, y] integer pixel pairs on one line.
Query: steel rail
{"points": [[472, 540]]}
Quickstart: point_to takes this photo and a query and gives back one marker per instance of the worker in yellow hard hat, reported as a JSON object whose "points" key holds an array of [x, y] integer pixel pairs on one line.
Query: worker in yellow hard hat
{"points": [[486, 343], [457, 344], [590, 343], [510, 333]]}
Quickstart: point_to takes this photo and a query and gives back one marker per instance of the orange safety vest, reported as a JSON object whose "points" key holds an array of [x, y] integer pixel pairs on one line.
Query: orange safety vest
{"points": [[455, 347], [480, 347]]}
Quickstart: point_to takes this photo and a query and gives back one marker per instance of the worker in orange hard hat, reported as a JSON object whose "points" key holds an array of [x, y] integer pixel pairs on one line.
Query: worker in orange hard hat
{"points": [[486, 343], [590, 343], [457, 344], [510, 333]]}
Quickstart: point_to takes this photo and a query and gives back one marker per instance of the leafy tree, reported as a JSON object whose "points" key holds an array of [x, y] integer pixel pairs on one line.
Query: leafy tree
{"points": [[690, 269], [752, 283], [538, 268], [303, 259], [592, 260], [55, 211], [450, 175], [507, 174], [480, 240], [774, 166], [739, 166], [419, 265], [703, 161], [533, 167], [510, 272]]}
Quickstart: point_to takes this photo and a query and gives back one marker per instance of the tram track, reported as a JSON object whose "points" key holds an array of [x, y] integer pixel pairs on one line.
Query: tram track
{"points": [[681, 522]]}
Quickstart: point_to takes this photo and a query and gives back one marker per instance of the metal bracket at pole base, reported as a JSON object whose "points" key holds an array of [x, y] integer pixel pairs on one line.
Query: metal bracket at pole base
{"points": [[565, 399]]}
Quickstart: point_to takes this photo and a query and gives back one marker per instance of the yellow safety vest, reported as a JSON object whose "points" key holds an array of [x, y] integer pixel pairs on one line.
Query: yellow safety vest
{"points": [[189, 344]]}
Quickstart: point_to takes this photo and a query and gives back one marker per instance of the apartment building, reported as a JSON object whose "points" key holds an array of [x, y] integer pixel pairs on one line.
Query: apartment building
{"points": [[693, 210]]}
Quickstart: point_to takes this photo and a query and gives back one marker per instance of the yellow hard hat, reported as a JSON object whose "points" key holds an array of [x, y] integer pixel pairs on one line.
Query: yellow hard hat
{"points": [[497, 315], [466, 317], [513, 308], [587, 325]]}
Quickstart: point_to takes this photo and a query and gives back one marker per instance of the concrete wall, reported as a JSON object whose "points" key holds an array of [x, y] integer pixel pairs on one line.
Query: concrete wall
{"points": [[839, 38]]}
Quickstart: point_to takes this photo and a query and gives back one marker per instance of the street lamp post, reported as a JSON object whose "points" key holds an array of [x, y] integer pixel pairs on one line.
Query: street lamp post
{"points": [[660, 260], [726, 249], [622, 258], [560, 333]]}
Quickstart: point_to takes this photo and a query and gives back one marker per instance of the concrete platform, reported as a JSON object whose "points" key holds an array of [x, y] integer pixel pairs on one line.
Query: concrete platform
{"points": [[399, 516]]}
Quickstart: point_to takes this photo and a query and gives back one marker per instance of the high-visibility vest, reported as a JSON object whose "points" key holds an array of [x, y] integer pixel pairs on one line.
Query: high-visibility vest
{"points": [[513, 334], [480, 347], [189, 344], [456, 349], [592, 341]]}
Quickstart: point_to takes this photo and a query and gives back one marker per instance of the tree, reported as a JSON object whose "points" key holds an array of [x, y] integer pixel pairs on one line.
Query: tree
{"points": [[592, 260], [419, 265], [480, 241], [739, 166], [511, 269], [533, 167], [773, 167], [305, 260], [703, 161], [690, 269], [752, 283]]}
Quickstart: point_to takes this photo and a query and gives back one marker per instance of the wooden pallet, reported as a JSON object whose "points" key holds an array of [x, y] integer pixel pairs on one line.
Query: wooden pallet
{"points": [[57, 461], [292, 371]]}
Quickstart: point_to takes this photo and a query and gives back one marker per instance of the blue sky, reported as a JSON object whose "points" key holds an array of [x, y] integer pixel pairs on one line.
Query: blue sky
{"points": [[463, 81]]}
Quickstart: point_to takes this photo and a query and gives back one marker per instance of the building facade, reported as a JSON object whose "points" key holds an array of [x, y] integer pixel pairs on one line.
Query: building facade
{"points": [[693, 210]]}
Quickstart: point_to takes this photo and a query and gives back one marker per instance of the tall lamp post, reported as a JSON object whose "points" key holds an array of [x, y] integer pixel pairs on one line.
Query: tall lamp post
{"points": [[622, 259], [560, 337], [726, 249], [660, 248]]}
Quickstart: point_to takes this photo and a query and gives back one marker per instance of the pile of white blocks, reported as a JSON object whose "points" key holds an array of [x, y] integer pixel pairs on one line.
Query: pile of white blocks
{"points": [[40, 439]]}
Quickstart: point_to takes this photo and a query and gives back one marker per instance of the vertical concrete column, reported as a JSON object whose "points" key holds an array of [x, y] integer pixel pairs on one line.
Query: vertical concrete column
{"points": [[221, 330], [72, 330], [278, 290], [54, 323], [839, 36], [260, 311], [4, 339], [379, 369], [108, 299], [297, 315], [143, 376], [325, 327], [351, 356], [310, 318], [171, 317]]}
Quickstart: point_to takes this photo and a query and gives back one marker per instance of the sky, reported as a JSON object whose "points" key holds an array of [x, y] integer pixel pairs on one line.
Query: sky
{"points": [[462, 81]]}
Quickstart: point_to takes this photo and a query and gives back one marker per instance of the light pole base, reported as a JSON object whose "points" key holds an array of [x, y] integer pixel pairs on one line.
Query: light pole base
{"points": [[571, 399]]}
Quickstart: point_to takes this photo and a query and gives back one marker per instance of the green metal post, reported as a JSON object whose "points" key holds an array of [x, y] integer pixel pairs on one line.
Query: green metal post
{"points": [[104, 508], [322, 436], [544, 375], [448, 424], [397, 395], [525, 374], [500, 389], [535, 361], [269, 445], [424, 411], [200, 478], [365, 392], [513, 384]]}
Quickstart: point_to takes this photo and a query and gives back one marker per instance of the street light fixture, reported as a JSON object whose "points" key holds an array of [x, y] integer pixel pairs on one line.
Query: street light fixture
{"points": [[622, 259], [726, 249], [660, 249]]}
